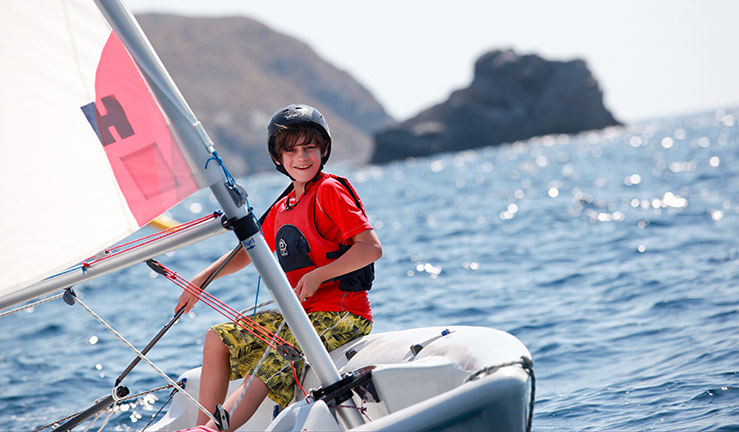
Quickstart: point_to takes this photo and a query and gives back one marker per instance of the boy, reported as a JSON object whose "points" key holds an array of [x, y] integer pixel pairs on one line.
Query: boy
{"points": [[326, 246]]}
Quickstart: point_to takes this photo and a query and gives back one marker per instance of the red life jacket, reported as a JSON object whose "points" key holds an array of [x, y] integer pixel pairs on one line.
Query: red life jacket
{"points": [[301, 248]]}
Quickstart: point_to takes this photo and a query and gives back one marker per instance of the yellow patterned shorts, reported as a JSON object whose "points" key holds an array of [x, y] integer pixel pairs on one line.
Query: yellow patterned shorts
{"points": [[334, 328]]}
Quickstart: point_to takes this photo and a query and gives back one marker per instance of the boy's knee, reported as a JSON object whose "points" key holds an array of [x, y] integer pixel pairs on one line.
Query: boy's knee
{"points": [[213, 340]]}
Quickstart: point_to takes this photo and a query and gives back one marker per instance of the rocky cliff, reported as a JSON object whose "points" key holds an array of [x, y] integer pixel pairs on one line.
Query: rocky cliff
{"points": [[235, 73], [512, 97]]}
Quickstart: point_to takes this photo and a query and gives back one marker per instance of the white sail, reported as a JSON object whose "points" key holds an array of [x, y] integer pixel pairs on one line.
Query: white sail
{"points": [[89, 154]]}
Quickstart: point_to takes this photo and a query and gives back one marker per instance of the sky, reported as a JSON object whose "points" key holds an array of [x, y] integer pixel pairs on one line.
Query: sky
{"points": [[652, 58]]}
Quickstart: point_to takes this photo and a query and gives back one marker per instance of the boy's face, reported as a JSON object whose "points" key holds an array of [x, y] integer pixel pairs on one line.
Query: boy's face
{"points": [[303, 161]]}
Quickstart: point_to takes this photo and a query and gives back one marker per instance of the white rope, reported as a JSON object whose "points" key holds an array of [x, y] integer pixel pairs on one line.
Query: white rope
{"points": [[107, 419], [249, 309], [28, 306], [144, 358], [97, 416]]}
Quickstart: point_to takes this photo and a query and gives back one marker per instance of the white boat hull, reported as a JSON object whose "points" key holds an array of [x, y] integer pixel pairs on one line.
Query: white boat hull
{"points": [[452, 383]]}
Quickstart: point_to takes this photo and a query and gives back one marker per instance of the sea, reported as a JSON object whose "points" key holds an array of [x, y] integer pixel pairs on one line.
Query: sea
{"points": [[613, 255]]}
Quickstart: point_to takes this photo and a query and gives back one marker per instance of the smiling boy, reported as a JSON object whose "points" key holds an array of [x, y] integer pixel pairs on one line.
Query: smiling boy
{"points": [[326, 246]]}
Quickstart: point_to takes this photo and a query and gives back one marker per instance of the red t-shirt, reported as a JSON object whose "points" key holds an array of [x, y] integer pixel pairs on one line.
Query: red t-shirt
{"points": [[337, 219]]}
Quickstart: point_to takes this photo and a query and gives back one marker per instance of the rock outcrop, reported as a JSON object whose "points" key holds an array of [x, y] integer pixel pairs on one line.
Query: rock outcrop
{"points": [[512, 97]]}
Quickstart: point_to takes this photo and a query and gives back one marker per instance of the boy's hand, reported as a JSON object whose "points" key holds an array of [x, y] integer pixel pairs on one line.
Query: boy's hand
{"points": [[187, 300], [308, 285]]}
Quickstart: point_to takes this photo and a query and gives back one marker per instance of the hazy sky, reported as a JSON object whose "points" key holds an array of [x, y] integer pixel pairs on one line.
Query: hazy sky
{"points": [[652, 58]]}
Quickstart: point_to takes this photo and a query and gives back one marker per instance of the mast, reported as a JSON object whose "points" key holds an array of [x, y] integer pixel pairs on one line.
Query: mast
{"points": [[200, 149]]}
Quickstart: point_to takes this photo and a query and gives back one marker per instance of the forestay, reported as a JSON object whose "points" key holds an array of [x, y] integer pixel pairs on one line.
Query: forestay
{"points": [[90, 154]]}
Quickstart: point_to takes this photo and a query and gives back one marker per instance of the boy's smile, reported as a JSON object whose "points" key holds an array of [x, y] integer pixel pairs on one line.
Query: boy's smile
{"points": [[302, 162]]}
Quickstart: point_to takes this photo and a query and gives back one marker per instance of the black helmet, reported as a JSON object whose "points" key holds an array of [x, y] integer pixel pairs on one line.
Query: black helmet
{"points": [[293, 115]]}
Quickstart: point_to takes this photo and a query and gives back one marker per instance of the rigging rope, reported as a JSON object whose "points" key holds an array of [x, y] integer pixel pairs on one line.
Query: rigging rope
{"points": [[238, 194], [257, 330], [255, 307], [143, 357], [107, 419], [238, 318], [297, 381], [151, 238], [171, 395], [133, 244], [111, 408], [97, 416], [31, 305]]}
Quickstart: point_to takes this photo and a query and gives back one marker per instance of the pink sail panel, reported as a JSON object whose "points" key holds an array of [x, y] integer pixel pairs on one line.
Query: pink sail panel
{"points": [[149, 167]]}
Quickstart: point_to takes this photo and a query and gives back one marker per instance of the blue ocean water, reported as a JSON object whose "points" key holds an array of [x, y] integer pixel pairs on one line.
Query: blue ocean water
{"points": [[612, 255]]}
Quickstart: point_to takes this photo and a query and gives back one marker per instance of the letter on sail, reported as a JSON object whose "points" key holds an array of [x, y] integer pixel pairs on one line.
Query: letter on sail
{"points": [[148, 165]]}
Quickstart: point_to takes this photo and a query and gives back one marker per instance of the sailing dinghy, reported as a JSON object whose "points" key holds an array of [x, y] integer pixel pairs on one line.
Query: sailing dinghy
{"points": [[91, 108]]}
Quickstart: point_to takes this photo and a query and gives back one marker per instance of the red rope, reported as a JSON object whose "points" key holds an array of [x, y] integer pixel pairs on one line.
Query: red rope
{"points": [[147, 239], [297, 381], [232, 314], [226, 310]]}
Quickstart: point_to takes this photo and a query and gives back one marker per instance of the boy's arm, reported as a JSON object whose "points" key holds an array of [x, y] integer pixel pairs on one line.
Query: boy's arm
{"points": [[365, 250], [240, 261]]}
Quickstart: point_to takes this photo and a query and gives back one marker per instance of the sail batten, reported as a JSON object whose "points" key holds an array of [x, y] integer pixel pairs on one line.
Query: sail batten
{"points": [[91, 151]]}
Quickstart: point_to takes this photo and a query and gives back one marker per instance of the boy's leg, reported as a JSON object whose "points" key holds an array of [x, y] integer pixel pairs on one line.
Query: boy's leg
{"points": [[214, 374], [255, 395]]}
